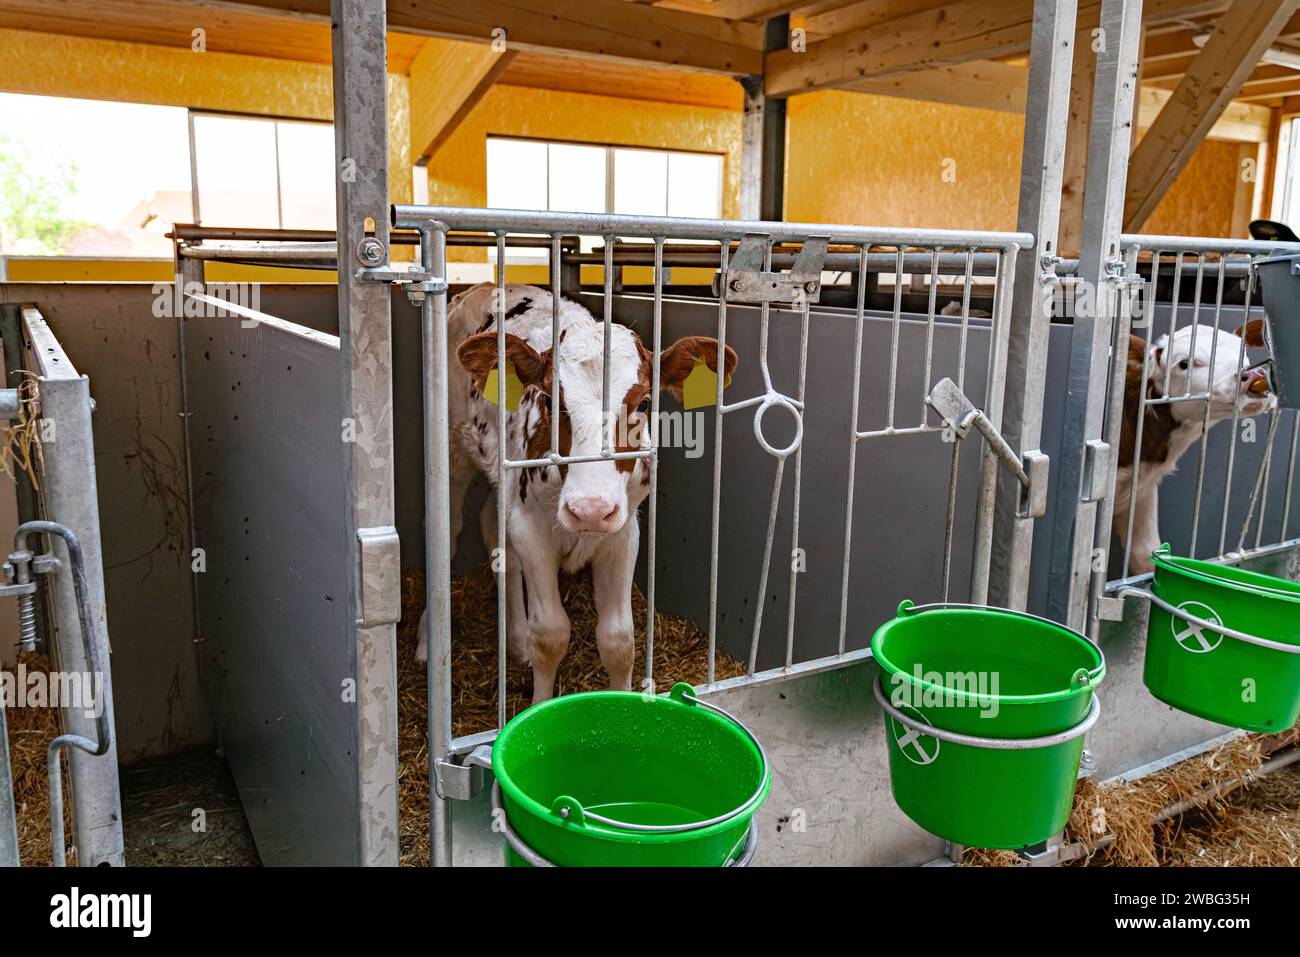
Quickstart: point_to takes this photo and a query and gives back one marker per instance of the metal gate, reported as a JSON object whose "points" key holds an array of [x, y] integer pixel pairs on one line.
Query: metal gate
{"points": [[748, 261]]}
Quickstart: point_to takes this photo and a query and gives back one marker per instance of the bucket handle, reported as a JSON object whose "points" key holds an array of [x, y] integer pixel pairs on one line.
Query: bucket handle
{"points": [[520, 846], [569, 808], [907, 607], [996, 744], [1131, 591]]}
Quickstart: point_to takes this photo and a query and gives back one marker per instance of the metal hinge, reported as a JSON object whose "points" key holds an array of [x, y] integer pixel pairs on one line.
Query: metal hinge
{"points": [[415, 279], [1096, 470], [748, 281]]}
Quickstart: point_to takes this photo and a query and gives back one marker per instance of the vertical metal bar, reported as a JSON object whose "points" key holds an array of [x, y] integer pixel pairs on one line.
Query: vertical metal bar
{"points": [[1236, 418], [186, 271], [608, 282], [502, 555], [652, 520], [716, 526], [8, 813], [360, 73], [951, 518], [437, 537], [894, 336], [795, 561], [1041, 164], [967, 279], [929, 334], [1261, 478], [986, 505], [25, 493], [555, 343], [1070, 576], [1290, 477], [1275, 421], [761, 599], [1204, 443], [853, 443]]}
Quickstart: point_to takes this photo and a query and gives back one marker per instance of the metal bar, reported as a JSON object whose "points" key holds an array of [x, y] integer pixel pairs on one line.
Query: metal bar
{"points": [[365, 341], [1075, 534], [602, 224], [986, 503], [502, 554], [893, 341], [188, 273], [796, 559], [1290, 475], [15, 362], [652, 520], [8, 813], [1204, 444], [715, 530], [1042, 162], [1236, 420], [437, 538], [863, 256]]}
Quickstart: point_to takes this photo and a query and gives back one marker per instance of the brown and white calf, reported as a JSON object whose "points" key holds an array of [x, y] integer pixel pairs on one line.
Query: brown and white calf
{"points": [[562, 517], [1170, 429]]}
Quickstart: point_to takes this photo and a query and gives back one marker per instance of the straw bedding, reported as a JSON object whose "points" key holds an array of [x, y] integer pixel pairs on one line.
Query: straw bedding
{"points": [[1238, 818]]}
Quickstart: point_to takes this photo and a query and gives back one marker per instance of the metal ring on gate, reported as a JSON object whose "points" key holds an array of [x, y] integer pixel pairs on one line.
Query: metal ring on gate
{"points": [[1130, 591], [520, 847], [907, 608], [996, 744], [776, 399]]}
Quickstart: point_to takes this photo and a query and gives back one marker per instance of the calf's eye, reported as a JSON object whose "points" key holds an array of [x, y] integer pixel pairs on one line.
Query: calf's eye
{"points": [[1184, 364]]}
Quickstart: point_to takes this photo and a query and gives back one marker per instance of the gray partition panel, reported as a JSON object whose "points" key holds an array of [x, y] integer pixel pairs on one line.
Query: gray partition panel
{"points": [[111, 333], [269, 510]]}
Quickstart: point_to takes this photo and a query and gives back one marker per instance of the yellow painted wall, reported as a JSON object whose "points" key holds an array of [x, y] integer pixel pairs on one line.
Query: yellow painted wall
{"points": [[77, 269], [880, 161]]}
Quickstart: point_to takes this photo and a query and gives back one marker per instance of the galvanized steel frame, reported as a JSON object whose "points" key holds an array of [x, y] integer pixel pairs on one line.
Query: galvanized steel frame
{"points": [[433, 223]]}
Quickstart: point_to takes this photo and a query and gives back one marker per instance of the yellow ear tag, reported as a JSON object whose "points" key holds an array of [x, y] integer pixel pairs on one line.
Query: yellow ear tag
{"points": [[701, 386], [514, 388]]}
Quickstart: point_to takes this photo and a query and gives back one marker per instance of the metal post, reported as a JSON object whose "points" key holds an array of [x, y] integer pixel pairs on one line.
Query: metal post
{"points": [[365, 334], [437, 538], [14, 363], [8, 813], [71, 499], [1042, 159], [762, 175], [188, 273], [1101, 270]]}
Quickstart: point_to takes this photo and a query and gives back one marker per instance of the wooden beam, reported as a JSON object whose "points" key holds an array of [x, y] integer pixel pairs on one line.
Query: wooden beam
{"points": [[1227, 59], [448, 78], [1074, 174], [983, 84], [921, 39], [611, 29], [866, 13], [1239, 122]]}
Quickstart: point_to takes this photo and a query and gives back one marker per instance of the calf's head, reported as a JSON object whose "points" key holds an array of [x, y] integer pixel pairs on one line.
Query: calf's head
{"points": [[1204, 360], [594, 497]]}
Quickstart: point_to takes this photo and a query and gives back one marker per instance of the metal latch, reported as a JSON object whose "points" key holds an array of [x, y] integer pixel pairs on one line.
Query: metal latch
{"points": [[415, 279], [1096, 470], [1030, 469], [463, 780], [748, 281], [381, 576]]}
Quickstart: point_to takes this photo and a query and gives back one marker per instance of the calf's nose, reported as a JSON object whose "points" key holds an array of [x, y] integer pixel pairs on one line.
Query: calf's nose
{"points": [[593, 514], [1254, 381]]}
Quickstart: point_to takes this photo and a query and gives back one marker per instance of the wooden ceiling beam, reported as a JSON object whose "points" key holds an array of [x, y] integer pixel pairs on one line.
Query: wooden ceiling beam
{"points": [[1222, 66], [448, 78]]}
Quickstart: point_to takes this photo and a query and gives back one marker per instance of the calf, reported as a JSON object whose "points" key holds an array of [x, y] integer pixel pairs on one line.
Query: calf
{"points": [[1169, 430], [561, 517]]}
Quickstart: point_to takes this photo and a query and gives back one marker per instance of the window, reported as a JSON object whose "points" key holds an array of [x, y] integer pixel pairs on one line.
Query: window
{"points": [[531, 174], [96, 179], [259, 172]]}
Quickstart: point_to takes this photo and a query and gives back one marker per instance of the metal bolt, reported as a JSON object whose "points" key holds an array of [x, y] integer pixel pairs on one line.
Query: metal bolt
{"points": [[810, 287], [735, 285], [370, 251]]}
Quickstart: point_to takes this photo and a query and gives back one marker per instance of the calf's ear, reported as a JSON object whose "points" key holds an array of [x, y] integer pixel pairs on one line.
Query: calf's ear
{"points": [[677, 361], [1253, 333], [478, 356]]}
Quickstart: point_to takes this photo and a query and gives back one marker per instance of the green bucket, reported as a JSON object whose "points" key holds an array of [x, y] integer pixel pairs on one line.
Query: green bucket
{"points": [[985, 711], [624, 779], [1223, 643]]}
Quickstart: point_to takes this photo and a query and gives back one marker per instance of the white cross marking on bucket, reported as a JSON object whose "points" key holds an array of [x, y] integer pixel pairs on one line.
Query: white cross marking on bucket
{"points": [[911, 742], [1191, 637]]}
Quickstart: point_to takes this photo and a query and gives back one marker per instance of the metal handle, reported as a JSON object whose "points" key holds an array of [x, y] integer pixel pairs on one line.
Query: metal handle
{"points": [[906, 607], [571, 806], [995, 744], [520, 847], [1130, 591]]}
